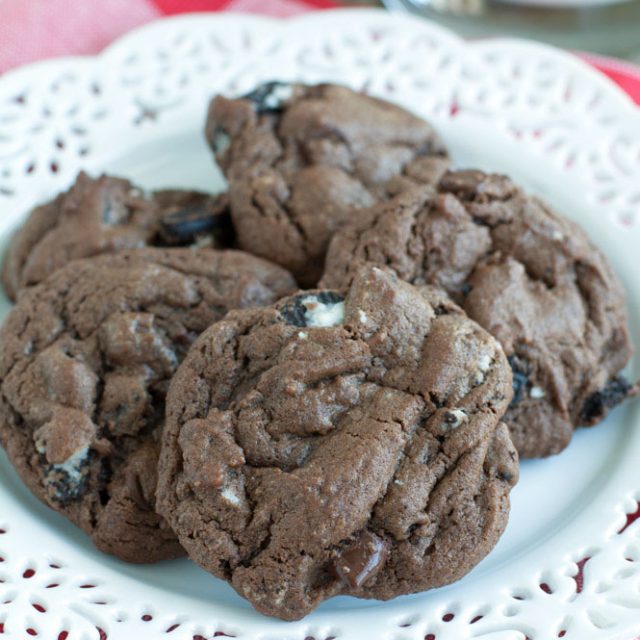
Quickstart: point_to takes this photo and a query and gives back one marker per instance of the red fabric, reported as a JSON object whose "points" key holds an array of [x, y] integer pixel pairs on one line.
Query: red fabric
{"points": [[34, 29], [170, 7], [626, 75]]}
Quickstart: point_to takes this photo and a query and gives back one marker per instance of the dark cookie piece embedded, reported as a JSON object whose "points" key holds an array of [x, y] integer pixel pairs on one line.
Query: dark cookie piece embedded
{"points": [[270, 97], [300, 160], [520, 379], [192, 217], [107, 215], [361, 457], [67, 485], [598, 404], [528, 276], [85, 360]]}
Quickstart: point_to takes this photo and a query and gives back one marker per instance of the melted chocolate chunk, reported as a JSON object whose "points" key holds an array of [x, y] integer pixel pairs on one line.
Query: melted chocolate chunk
{"points": [[598, 403], [520, 372], [268, 97], [361, 560]]}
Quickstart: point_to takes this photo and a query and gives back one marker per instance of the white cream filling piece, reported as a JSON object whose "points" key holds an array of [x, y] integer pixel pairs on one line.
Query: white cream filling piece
{"points": [[73, 464], [228, 495], [279, 94], [320, 314], [537, 392]]}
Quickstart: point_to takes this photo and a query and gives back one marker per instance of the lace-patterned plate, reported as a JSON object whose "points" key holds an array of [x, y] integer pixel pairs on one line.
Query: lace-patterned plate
{"points": [[568, 565]]}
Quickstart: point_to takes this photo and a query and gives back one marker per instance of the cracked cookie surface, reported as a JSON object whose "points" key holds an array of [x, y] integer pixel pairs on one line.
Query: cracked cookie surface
{"points": [[300, 159], [530, 277], [339, 444], [106, 215], [85, 362]]}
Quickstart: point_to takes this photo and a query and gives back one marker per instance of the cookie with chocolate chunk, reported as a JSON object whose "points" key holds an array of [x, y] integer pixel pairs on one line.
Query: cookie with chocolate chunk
{"points": [[299, 159], [530, 277], [85, 361], [106, 215], [339, 444]]}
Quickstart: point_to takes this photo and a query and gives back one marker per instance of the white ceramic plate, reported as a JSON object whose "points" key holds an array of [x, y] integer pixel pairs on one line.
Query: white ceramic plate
{"points": [[556, 125]]}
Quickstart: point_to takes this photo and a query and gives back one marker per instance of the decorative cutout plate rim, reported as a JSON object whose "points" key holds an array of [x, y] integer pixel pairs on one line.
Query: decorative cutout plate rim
{"points": [[62, 114]]}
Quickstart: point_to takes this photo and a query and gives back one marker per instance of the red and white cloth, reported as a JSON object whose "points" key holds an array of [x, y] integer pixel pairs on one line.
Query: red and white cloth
{"points": [[35, 29]]}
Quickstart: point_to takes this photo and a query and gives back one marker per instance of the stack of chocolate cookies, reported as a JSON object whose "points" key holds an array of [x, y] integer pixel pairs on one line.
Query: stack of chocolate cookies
{"points": [[319, 382]]}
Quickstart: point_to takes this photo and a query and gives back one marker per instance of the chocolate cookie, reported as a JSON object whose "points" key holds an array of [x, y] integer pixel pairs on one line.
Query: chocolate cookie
{"points": [[329, 445], [299, 159], [106, 215], [85, 361], [527, 275]]}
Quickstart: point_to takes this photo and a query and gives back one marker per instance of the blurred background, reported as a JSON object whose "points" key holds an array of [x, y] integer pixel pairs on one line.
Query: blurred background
{"points": [[35, 29], [602, 26]]}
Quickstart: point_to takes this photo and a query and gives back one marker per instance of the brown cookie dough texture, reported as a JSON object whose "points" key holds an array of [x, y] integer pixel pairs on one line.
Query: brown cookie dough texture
{"points": [[106, 215], [85, 362], [529, 277], [326, 446], [300, 159]]}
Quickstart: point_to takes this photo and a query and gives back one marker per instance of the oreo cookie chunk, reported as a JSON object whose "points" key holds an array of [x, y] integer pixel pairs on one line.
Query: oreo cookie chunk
{"points": [[339, 444], [106, 215], [194, 218], [85, 361], [300, 159], [527, 275]]}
